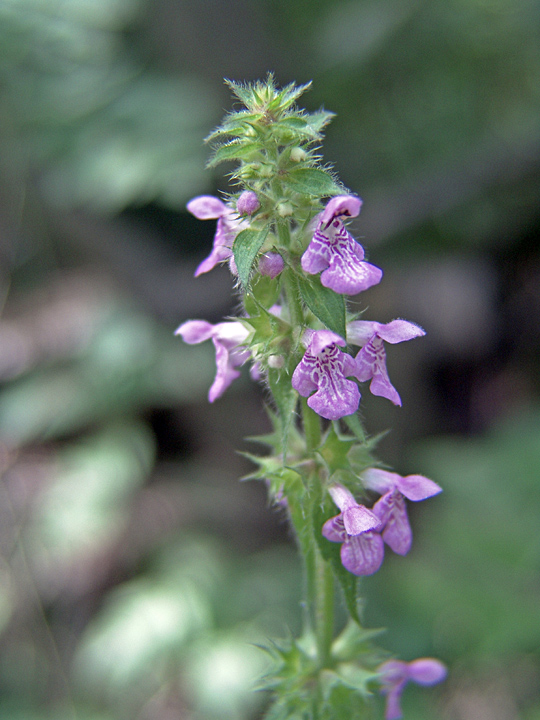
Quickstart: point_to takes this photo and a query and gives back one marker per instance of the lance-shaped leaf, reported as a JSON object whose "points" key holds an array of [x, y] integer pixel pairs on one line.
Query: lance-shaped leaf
{"points": [[319, 119], [285, 398], [246, 247], [288, 95], [235, 150], [324, 303]]}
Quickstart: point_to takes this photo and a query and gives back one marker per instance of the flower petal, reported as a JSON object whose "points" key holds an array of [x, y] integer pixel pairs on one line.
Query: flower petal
{"points": [[247, 203], [371, 363], [340, 205], [335, 398], [225, 373], [303, 376], [317, 255], [347, 273], [380, 480], [207, 207], [398, 331], [271, 264], [335, 253], [418, 487], [363, 554], [392, 511], [342, 496], [414, 487], [319, 340], [334, 529], [359, 519], [359, 332], [427, 671], [195, 331]]}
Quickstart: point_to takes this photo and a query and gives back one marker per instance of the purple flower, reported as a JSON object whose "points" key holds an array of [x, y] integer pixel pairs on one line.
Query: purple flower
{"points": [[336, 253], [247, 203], [323, 371], [362, 550], [391, 509], [395, 674], [230, 354], [207, 207], [371, 359]]}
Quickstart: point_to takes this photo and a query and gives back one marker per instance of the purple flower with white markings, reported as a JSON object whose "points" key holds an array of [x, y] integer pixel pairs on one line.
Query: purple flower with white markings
{"points": [[395, 675], [323, 371], [334, 252], [356, 527], [391, 508], [208, 207], [228, 339], [371, 359]]}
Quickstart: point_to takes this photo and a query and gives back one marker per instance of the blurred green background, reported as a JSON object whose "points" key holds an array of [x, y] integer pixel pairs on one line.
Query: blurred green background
{"points": [[136, 573]]}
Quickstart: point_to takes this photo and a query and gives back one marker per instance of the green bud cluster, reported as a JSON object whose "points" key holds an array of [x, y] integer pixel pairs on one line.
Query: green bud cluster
{"points": [[276, 147]]}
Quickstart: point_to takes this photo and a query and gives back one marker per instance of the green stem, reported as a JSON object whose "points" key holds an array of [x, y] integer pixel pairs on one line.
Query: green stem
{"points": [[294, 305], [321, 605], [312, 427]]}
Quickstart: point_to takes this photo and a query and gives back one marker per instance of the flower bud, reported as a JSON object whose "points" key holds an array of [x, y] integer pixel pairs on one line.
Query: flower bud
{"points": [[247, 203], [298, 154], [271, 264], [285, 209], [276, 361]]}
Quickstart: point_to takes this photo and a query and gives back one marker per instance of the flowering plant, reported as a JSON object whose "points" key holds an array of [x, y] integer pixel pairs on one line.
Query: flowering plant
{"points": [[283, 231]]}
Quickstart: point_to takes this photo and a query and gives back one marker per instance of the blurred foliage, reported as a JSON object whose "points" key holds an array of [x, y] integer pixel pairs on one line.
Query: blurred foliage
{"points": [[126, 587], [79, 108], [438, 109]]}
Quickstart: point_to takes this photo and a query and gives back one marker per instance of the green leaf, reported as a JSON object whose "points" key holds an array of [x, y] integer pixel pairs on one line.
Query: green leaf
{"points": [[355, 426], [288, 96], [234, 151], [263, 292], [318, 120], [313, 181], [245, 249], [285, 398], [324, 303], [244, 92], [334, 452]]}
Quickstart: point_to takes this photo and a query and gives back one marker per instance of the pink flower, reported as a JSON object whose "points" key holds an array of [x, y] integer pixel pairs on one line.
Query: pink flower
{"points": [[335, 253], [395, 674], [230, 353], [321, 376], [391, 509], [356, 527], [371, 359], [207, 207]]}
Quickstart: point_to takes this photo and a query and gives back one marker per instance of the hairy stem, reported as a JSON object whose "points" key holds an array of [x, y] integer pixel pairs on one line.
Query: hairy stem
{"points": [[312, 427]]}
